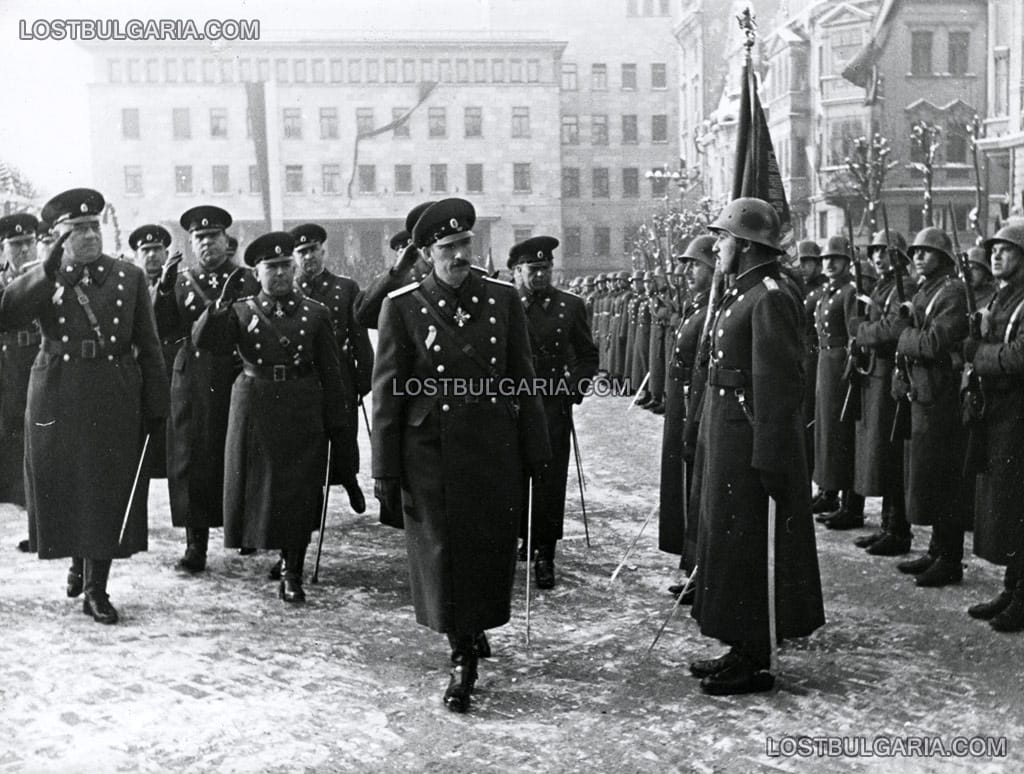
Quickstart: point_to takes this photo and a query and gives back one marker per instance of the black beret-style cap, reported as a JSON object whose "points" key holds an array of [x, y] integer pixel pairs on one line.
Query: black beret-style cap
{"points": [[205, 217], [18, 226], [307, 234], [151, 234], [74, 205], [414, 215], [446, 221], [274, 246], [536, 249]]}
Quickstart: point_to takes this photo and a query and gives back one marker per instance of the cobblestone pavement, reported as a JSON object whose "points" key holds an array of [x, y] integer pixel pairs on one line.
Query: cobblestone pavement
{"points": [[214, 673]]}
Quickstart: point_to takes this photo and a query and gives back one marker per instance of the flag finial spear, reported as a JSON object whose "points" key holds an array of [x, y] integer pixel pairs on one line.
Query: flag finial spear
{"points": [[748, 24]]}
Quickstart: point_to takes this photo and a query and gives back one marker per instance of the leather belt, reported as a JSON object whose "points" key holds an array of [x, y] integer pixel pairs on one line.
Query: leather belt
{"points": [[680, 371], [726, 377], [86, 349], [282, 372], [833, 342], [27, 338]]}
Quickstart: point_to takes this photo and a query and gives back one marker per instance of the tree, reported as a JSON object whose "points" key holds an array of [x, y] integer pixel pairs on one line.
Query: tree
{"points": [[671, 229], [867, 167], [16, 191], [924, 136]]}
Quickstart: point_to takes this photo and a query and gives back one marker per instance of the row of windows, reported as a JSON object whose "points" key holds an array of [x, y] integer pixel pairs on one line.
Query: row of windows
{"points": [[356, 70], [954, 148], [958, 45], [601, 184], [630, 133], [647, 8], [599, 76]]}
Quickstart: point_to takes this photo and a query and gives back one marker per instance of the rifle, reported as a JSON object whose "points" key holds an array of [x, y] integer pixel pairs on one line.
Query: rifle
{"points": [[901, 418], [964, 267], [852, 402], [975, 130]]}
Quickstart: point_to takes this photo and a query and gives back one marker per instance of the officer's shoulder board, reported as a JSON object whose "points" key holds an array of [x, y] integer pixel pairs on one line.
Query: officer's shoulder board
{"points": [[314, 304], [498, 282], [770, 283], [403, 290]]}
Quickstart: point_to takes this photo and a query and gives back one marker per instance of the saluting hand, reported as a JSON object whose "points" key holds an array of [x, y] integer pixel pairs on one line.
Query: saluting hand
{"points": [[52, 262], [406, 259], [232, 289], [169, 274]]}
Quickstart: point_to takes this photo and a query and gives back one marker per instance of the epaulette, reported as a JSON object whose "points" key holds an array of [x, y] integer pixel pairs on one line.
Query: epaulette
{"points": [[403, 290], [770, 283], [478, 269], [499, 282], [315, 303]]}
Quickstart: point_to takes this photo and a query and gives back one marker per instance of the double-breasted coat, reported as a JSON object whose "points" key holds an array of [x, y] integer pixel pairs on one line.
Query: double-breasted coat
{"points": [[814, 291], [90, 392], [461, 459]]}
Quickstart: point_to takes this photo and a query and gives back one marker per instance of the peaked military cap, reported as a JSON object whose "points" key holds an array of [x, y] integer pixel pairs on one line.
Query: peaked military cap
{"points": [[444, 222], [414, 215], [146, 236], [205, 217], [308, 233], [274, 246], [538, 249], [399, 240], [18, 226], [76, 205]]}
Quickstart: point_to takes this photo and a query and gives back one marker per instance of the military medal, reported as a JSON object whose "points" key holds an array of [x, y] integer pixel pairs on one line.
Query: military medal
{"points": [[58, 294], [461, 316], [253, 322], [278, 311], [190, 298], [431, 335]]}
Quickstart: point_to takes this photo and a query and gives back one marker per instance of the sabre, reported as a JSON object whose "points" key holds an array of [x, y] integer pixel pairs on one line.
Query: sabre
{"points": [[579, 476], [672, 612], [631, 545], [135, 485], [772, 515], [366, 418], [639, 391], [323, 518], [529, 553], [686, 496]]}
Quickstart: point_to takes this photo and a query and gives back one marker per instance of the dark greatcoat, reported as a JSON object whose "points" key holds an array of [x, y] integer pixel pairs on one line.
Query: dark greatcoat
{"points": [[999, 499], [200, 398], [460, 460], [833, 439], [156, 456], [564, 355], [758, 341], [276, 453], [640, 363], [660, 314], [369, 300], [811, 361], [620, 336], [86, 406]]}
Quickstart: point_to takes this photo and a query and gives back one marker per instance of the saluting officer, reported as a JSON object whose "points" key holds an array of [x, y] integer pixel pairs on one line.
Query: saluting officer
{"points": [[751, 448], [291, 396], [565, 356], [339, 295], [457, 463], [201, 381], [97, 385]]}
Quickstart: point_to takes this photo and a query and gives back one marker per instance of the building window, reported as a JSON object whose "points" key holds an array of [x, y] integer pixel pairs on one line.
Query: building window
{"points": [[114, 70], [474, 178], [570, 182], [254, 179], [390, 71], [130, 123], [659, 187], [318, 71], [367, 178], [355, 70], [659, 76], [403, 178], [631, 7], [402, 129], [629, 77], [331, 178], [920, 53], [188, 71], [572, 242], [521, 178], [364, 120], [300, 70], [520, 122], [182, 126], [915, 219], [515, 70], [408, 71], [245, 70], [292, 124], [1001, 82], [293, 178], [221, 177], [438, 178], [134, 71], [281, 70], [630, 133], [599, 77], [474, 121], [841, 135], [152, 70], [328, 123], [462, 70], [263, 70], [183, 180], [521, 234], [799, 155], [569, 77], [602, 241], [171, 70], [532, 70], [630, 183], [498, 70], [219, 122], [337, 71], [956, 143], [600, 183], [599, 130], [437, 121], [372, 71], [227, 71], [659, 128], [133, 180], [444, 70], [570, 130]]}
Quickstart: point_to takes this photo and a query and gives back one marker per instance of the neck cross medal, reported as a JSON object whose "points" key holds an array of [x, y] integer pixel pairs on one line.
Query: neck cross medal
{"points": [[214, 282], [278, 311], [461, 316]]}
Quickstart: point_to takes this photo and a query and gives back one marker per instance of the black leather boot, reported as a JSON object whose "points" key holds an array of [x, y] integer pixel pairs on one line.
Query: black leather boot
{"points": [[742, 675], [196, 542], [76, 579], [890, 545], [850, 514], [356, 499], [942, 572], [986, 611], [275, 570], [545, 566], [709, 666], [463, 675], [24, 546], [825, 502], [96, 602], [919, 565], [291, 580], [866, 541], [1011, 619]]}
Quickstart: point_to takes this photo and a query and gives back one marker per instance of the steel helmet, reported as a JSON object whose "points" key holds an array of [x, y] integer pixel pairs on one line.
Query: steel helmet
{"points": [[979, 255], [1014, 235], [808, 249], [933, 239], [700, 249], [837, 246], [752, 219]]}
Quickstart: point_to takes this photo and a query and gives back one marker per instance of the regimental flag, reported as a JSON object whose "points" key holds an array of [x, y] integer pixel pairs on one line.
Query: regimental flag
{"points": [[757, 168]]}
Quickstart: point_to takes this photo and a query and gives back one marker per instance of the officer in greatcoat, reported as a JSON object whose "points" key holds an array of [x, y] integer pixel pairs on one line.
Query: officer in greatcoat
{"points": [[97, 387], [998, 360], [201, 381], [808, 253], [565, 357], [660, 312], [752, 453], [290, 398], [456, 459]]}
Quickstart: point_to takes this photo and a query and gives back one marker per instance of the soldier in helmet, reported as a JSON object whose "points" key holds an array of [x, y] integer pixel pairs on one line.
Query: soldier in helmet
{"points": [[982, 282], [879, 460], [808, 255], [751, 459], [931, 332], [661, 311], [639, 348], [998, 360]]}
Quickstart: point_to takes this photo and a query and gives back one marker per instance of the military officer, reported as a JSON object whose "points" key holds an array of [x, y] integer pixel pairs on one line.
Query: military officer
{"points": [[460, 458], [808, 253], [339, 295], [201, 381], [565, 356], [751, 448], [98, 384]]}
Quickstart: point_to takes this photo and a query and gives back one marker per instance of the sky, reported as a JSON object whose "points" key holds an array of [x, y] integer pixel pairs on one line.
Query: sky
{"points": [[44, 126]]}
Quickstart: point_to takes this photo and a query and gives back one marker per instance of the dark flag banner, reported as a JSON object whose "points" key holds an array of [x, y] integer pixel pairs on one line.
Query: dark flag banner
{"points": [[757, 169], [256, 99]]}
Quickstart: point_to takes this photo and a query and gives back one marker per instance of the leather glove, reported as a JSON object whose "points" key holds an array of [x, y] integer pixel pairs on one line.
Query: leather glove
{"points": [[155, 425], [232, 289], [389, 492], [406, 259], [971, 345], [52, 262], [169, 274], [774, 483]]}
